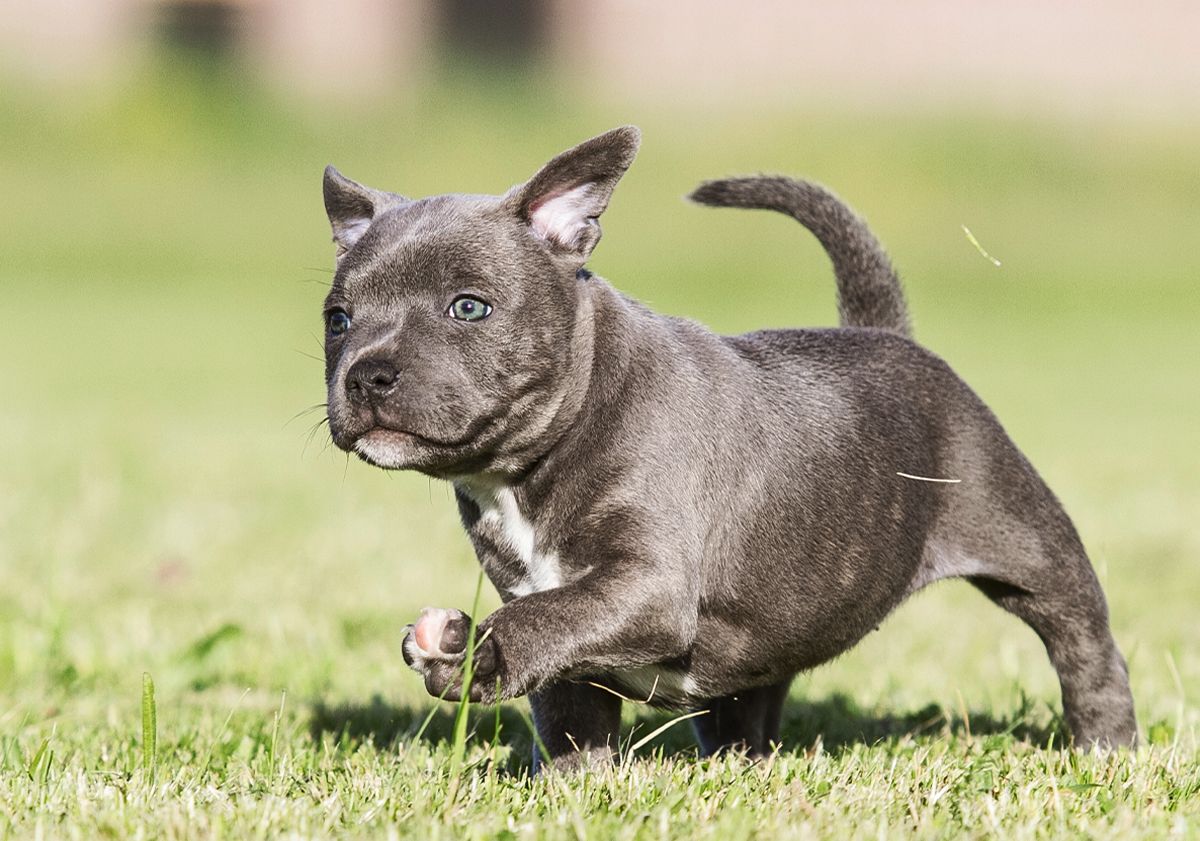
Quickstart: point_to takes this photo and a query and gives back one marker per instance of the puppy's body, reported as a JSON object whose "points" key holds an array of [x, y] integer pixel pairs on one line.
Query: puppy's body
{"points": [[692, 519]]}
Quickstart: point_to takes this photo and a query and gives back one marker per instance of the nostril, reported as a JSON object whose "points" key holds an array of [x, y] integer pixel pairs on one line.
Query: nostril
{"points": [[371, 377]]}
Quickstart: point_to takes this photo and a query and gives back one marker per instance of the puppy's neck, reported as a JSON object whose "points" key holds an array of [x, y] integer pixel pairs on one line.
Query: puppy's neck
{"points": [[546, 425]]}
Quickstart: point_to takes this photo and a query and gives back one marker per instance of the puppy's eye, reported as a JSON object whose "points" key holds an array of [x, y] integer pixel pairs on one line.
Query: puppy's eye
{"points": [[338, 322], [466, 308]]}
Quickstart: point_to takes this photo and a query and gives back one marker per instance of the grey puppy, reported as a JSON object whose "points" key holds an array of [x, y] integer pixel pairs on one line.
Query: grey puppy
{"points": [[669, 514]]}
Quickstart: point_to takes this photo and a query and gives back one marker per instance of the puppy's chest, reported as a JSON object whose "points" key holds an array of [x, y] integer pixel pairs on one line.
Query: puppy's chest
{"points": [[516, 558]]}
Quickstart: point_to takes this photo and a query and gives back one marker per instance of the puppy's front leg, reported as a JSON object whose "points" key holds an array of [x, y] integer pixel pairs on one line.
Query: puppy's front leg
{"points": [[591, 625], [578, 725]]}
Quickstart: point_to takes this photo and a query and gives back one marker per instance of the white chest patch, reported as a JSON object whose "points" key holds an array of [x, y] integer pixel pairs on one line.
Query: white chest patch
{"points": [[498, 509]]}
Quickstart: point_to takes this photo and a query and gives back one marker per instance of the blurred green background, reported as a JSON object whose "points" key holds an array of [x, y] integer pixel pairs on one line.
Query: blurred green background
{"points": [[166, 505]]}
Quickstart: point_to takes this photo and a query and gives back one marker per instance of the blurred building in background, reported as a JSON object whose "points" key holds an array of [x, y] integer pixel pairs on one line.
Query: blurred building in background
{"points": [[1076, 54]]}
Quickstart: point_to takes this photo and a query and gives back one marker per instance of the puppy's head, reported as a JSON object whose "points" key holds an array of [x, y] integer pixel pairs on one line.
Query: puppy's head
{"points": [[451, 328]]}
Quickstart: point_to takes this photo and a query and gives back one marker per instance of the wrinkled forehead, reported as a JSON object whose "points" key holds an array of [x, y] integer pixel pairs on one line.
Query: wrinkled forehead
{"points": [[424, 243]]}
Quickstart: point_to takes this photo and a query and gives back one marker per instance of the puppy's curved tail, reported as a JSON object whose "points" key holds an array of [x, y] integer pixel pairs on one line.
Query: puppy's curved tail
{"points": [[869, 291]]}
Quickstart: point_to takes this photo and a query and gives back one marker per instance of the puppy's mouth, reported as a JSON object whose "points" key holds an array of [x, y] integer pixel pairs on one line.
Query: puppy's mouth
{"points": [[396, 449]]}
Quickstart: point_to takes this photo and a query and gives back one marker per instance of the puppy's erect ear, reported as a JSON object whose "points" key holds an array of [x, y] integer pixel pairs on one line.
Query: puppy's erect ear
{"points": [[563, 201], [352, 206]]}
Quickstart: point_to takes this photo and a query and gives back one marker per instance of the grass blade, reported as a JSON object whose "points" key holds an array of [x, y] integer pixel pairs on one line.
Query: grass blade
{"points": [[642, 742], [275, 733], [149, 725], [978, 247], [538, 744], [32, 769], [458, 745]]}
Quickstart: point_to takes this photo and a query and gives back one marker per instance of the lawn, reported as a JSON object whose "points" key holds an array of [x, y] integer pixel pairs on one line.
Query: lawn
{"points": [[167, 506]]}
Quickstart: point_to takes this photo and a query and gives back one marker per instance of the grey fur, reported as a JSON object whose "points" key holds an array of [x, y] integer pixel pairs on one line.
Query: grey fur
{"points": [[673, 513]]}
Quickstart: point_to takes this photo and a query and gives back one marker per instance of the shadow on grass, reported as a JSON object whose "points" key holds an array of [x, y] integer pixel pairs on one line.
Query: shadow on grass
{"points": [[837, 722], [384, 724]]}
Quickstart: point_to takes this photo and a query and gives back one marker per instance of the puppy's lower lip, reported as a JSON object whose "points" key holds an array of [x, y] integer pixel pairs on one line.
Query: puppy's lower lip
{"points": [[468, 437], [382, 436], [399, 436]]}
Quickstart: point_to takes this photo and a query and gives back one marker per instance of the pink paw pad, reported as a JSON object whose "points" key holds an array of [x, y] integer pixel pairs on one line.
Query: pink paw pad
{"points": [[427, 633]]}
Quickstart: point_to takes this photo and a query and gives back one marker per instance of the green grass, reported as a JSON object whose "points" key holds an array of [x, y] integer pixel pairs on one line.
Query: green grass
{"points": [[163, 513]]}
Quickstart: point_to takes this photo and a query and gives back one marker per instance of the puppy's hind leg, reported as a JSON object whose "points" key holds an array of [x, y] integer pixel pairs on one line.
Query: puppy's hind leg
{"points": [[747, 720], [1002, 529], [1067, 610], [1032, 564]]}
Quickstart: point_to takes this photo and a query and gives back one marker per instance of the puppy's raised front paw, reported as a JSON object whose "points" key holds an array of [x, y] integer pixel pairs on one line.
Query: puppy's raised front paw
{"points": [[436, 646], [437, 633]]}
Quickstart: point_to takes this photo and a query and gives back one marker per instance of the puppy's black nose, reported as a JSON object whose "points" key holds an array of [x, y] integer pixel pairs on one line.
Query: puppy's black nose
{"points": [[371, 379]]}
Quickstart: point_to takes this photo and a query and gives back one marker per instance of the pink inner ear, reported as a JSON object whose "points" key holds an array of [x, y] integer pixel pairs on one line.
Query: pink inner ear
{"points": [[560, 217]]}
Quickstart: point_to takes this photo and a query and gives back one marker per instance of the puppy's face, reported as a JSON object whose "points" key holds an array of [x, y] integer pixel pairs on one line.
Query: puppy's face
{"points": [[446, 327], [452, 326]]}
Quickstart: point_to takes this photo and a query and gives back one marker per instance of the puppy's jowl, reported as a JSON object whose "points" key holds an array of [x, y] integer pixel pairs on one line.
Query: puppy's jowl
{"points": [[679, 516]]}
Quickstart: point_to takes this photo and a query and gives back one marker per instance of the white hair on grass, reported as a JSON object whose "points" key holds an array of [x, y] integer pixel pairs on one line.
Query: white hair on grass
{"points": [[928, 478]]}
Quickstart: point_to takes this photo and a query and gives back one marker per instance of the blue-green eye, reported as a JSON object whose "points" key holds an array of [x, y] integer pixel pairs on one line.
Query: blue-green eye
{"points": [[466, 308], [338, 322]]}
